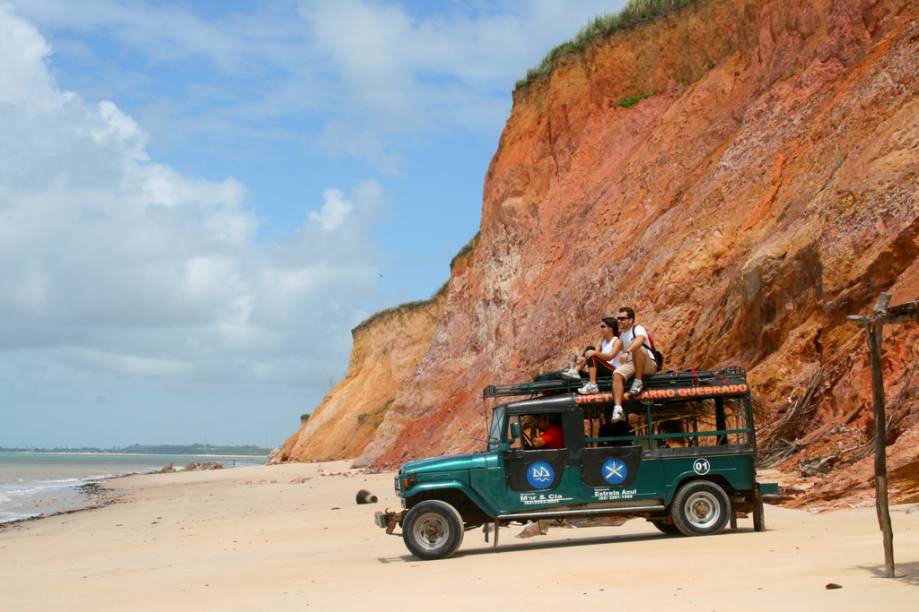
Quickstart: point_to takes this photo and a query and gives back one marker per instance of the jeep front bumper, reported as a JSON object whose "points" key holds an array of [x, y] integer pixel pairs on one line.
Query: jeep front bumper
{"points": [[388, 520]]}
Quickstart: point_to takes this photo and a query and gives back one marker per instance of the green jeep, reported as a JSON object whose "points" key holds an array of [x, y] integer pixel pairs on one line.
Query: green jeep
{"points": [[685, 463]]}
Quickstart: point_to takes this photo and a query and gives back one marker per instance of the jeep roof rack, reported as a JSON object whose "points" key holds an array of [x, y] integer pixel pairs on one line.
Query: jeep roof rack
{"points": [[686, 379]]}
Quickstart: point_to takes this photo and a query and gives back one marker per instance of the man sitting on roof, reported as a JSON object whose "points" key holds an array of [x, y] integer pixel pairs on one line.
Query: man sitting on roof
{"points": [[639, 358]]}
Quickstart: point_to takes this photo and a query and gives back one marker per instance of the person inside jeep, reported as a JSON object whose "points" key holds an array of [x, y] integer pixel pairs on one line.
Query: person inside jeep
{"points": [[637, 354], [550, 437]]}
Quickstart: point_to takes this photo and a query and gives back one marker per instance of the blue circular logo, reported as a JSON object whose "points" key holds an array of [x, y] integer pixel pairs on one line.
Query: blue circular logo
{"points": [[540, 475], [615, 471]]}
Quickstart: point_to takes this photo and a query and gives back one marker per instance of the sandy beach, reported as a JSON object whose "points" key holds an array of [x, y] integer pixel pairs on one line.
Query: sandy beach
{"points": [[292, 537]]}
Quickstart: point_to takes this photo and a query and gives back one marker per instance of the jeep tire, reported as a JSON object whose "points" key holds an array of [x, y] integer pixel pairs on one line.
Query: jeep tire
{"points": [[668, 528], [432, 529], [700, 507]]}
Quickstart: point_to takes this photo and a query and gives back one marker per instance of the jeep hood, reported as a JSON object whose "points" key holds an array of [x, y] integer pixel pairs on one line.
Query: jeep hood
{"points": [[451, 462]]}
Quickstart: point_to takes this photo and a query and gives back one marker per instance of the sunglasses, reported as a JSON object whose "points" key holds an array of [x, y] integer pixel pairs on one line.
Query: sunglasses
{"points": [[602, 325], [623, 318]]}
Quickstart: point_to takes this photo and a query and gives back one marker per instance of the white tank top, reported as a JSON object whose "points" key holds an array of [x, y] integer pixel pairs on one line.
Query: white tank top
{"points": [[606, 346]]}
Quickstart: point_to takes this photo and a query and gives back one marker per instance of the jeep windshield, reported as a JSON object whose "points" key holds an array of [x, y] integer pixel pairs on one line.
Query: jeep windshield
{"points": [[495, 433]]}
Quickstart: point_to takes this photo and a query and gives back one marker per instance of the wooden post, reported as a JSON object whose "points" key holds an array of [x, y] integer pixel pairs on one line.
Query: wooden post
{"points": [[874, 327], [874, 330]]}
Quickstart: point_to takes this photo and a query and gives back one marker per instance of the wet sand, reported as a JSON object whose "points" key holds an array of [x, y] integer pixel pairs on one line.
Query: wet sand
{"points": [[292, 537]]}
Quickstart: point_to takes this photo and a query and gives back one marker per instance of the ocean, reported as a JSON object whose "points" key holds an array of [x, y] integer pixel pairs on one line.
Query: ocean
{"points": [[32, 484]]}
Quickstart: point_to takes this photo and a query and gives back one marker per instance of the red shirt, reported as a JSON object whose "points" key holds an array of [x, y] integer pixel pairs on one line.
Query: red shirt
{"points": [[552, 436]]}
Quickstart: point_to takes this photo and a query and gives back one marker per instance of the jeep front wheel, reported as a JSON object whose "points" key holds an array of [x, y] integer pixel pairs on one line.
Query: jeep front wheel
{"points": [[700, 507], [432, 529]]}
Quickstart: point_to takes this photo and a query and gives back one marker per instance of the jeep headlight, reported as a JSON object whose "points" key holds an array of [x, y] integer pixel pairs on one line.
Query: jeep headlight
{"points": [[407, 480]]}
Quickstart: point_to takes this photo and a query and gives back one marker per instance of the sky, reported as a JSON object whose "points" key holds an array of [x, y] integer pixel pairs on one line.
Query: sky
{"points": [[199, 200]]}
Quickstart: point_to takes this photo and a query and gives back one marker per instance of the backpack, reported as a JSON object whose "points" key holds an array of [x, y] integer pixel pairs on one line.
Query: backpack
{"points": [[553, 375], [658, 356]]}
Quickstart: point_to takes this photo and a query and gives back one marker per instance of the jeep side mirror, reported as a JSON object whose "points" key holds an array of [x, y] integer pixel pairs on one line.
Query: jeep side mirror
{"points": [[515, 431]]}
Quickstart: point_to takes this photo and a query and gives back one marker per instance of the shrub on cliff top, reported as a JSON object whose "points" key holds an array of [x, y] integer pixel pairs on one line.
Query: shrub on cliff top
{"points": [[418, 303], [466, 249], [398, 309], [635, 12], [388, 311]]}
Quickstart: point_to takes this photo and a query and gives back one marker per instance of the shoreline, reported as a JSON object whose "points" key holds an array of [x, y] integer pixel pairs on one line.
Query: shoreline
{"points": [[96, 494], [59, 492]]}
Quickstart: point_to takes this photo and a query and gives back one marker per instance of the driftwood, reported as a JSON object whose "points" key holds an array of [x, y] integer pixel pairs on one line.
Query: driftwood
{"points": [[779, 451], [819, 465], [777, 439]]}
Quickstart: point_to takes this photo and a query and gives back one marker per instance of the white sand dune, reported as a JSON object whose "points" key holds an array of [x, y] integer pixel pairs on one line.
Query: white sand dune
{"points": [[291, 537]]}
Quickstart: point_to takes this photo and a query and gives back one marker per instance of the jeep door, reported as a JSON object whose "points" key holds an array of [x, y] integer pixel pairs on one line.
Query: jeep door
{"points": [[541, 478]]}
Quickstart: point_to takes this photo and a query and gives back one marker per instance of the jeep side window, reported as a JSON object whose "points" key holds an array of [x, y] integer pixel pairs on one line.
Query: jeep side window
{"points": [[699, 423], [542, 431], [518, 443], [530, 430]]}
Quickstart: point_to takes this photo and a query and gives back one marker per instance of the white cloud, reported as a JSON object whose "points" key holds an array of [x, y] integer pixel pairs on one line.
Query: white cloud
{"points": [[369, 65], [114, 262], [443, 66], [119, 127], [334, 211], [339, 139], [20, 82]]}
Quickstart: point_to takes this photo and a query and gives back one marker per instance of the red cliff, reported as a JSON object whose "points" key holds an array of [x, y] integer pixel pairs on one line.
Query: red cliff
{"points": [[763, 188]]}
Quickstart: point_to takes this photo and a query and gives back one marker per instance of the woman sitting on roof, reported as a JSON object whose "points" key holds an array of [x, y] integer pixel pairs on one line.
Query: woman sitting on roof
{"points": [[603, 360]]}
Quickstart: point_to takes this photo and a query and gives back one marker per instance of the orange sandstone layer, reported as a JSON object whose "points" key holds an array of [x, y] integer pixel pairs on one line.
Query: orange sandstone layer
{"points": [[765, 189]]}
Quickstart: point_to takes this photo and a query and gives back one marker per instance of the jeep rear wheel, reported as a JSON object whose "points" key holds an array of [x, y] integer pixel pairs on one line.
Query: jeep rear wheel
{"points": [[700, 507], [668, 528], [432, 529]]}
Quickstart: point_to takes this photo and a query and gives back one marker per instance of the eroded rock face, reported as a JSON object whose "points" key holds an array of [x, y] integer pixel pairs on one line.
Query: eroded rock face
{"points": [[386, 352], [767, 189]]}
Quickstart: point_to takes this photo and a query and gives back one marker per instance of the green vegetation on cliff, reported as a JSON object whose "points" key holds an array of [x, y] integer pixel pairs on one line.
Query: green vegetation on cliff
{"points": [[467, 248], [417, 303], [397, 309], [635, 12], [633, 100]]}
